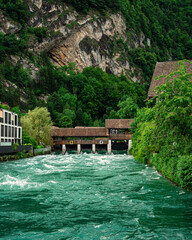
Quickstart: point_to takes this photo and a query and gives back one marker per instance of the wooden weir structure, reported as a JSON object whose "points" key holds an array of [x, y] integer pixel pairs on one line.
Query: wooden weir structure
{"points": [[115, 130]]}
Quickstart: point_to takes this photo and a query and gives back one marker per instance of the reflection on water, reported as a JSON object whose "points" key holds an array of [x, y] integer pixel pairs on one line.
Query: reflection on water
{"points": [[90, 196]]}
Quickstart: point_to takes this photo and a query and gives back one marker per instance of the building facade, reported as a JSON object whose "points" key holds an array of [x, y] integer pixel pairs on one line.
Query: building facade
{"points": [[10, 128]]}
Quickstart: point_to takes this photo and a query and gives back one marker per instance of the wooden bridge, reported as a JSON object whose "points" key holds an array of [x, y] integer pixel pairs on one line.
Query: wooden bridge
{"points": [[114, 130]]}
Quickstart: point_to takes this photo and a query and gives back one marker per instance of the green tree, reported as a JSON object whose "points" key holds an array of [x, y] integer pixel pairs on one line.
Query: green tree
{"points": [[113, 115], [62, 105], [29, 140], [65, 122], [172, 113], [16, 110], [173, 109], [37, 124], [128, 109], [15, 9]]}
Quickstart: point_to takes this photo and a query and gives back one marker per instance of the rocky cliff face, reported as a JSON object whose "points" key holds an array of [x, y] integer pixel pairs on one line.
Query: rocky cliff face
{"points": [[85, 40], [7, 26], [90, 45]]}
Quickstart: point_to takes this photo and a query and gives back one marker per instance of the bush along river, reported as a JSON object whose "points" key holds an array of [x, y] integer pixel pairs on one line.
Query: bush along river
{"points": [[90, 197]]}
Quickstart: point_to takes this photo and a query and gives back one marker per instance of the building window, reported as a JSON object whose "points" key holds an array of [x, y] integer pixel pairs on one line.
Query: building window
{"points": [[12, 131], [2, 131], [9, 118], [15, 119], [5, 131], [6, 120], [15, 132], [9, 131], [19, 132]]}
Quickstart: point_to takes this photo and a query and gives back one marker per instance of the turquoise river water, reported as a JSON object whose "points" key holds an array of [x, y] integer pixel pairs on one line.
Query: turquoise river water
{"points": [[90, 197]]}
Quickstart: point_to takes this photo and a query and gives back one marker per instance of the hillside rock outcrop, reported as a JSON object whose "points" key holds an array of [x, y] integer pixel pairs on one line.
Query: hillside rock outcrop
{"points": [[85, 40]]}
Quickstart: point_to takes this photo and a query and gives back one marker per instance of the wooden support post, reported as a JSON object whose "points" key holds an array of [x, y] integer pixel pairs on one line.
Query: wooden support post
{"points": [[109, 147], [129, 144], [78, 148], [93, 148], [64, 149]]}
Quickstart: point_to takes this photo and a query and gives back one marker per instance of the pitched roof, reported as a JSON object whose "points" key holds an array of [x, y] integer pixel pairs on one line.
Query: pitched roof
{"points": [[79, 132], [164, 68], [118, 123]]}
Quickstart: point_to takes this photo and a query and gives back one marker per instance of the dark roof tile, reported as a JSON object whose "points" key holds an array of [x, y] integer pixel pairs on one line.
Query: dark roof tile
{"points": [[164, 68]]}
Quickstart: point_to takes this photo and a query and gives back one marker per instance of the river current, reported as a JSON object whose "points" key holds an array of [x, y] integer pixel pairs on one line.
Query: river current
{"points": [[90, 197]]}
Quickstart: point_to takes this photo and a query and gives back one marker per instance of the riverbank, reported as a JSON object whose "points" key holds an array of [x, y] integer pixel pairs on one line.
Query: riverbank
{"points": [[21, 155], [178, 172], [177, 169]]}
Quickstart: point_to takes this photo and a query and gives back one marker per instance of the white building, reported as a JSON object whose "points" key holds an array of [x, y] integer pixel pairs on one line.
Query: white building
{"points": [[10, 128]]}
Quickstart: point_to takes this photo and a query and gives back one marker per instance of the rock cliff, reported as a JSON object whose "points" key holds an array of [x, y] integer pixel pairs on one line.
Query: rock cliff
{"points": [[72, 37]]}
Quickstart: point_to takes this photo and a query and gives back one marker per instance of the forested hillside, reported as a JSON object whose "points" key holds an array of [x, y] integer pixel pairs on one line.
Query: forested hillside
{"points": [[167, 23], [29, 76]]}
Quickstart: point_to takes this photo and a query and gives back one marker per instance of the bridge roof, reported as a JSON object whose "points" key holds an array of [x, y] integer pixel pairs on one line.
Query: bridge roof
{"points": [[79, 132]]}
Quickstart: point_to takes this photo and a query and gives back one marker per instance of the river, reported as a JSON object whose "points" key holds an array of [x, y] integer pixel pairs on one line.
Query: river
{"points": [[90, 197]]}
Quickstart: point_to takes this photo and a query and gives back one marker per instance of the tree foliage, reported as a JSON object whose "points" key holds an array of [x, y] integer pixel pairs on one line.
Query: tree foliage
{"points": [[37, 124], [166, 128], [15, 9], [128, 109], [29, 140], [10, 45]]}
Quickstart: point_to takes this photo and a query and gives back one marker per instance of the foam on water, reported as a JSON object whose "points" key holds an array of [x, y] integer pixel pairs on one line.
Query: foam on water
{"points": [[11, 181]]}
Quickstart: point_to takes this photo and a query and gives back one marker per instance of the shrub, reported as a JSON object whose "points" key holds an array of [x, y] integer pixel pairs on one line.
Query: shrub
{"points": [[15, 9], [40, 146], [15, 145], [4, 106], [184, 171], [29, 140], [39, 32], [10, 45]]}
